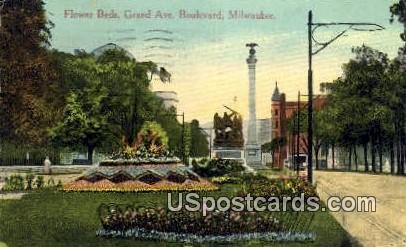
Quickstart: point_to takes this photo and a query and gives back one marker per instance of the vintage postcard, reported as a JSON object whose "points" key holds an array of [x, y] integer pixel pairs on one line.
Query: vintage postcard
{"points": [[202, 123]]}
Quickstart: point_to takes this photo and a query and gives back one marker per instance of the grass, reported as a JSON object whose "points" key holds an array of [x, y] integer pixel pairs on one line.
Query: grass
{"points": [[56, 218]]}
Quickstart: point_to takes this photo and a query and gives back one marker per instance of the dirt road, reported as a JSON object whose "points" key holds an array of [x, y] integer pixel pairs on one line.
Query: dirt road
{"points": [[386, 226]]}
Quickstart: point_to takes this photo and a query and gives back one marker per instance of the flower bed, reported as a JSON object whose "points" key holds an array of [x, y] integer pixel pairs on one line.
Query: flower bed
{"points": [[142, 155], [162, 177], [229, 226], [143, 234], [136, 186], [260, 186], [29, 182]]}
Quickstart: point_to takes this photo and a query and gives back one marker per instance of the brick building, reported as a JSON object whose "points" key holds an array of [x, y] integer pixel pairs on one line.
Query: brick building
{"points": [[283, 110]]}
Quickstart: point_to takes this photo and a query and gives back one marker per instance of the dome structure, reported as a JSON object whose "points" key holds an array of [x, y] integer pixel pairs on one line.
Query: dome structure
{"points": [[110, 46]]}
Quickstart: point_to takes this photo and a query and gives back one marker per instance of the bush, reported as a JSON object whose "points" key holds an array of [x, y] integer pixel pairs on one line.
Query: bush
{"points": [[39, 182], [226, 180], [14, 183], [217, 167], [51, 182], [260, 186], [59, 185], [29, 178]]}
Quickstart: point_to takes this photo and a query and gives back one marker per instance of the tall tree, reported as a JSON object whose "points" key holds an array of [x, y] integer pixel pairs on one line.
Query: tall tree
{"points": [[25, 71], [113, 95], [82, 125], [199, 144], [398, 10], [273, 146]]}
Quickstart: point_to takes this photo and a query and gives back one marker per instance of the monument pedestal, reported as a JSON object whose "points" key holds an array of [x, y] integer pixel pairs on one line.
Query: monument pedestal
{"points": [[253, 156], [228, 153]]}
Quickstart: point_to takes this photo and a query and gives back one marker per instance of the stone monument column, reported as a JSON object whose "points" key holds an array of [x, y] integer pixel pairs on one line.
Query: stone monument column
{"points": [[253, 152], [252, 125]]}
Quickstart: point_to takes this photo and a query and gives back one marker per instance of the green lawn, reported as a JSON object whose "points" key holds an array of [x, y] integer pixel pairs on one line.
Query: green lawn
{"points": [[55, 218]]}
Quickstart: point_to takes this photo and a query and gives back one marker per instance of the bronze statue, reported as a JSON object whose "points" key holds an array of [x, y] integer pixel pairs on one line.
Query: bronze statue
{"points": [[228, 130], [252, 47]]}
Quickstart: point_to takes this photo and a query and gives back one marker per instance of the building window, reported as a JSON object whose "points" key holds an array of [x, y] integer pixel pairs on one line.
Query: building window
{"points": [[276, 112], [275, 124]]}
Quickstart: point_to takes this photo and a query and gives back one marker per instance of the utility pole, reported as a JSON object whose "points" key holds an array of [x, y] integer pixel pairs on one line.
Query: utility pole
{"points": [[310, 104], [183, 138], [298, 134], [311, 28]]}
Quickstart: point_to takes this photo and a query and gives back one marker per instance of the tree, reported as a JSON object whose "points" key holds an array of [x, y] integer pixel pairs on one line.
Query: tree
{"points": [[272, 146], [81, 125], [199, 143], [130, 101], [112, 89], [186, 143], [398, 9], [396, 101], [25, 72], [324, 131], [369, 89]]}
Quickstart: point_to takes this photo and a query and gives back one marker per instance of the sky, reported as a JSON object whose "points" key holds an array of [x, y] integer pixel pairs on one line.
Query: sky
{"points": [[207, 58]]}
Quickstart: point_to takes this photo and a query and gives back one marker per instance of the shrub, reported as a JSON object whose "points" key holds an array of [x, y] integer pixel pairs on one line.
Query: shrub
{"points": [[51, 182], [13, 183], [59, 185], [29, 178], [226, 180], [258, 185], [217, 167], [39, 182]]}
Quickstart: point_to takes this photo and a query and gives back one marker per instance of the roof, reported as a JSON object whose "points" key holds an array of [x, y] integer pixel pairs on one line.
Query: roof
{"points": [[276, 96]]}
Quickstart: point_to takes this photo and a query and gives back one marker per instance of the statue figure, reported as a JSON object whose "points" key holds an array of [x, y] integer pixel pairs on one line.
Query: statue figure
{"points": [[252, 47], [228, 130], [47, 165]]}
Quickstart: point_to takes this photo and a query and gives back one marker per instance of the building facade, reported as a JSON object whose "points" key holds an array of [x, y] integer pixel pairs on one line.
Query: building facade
{"points": [[282, 111], [169, 98]]}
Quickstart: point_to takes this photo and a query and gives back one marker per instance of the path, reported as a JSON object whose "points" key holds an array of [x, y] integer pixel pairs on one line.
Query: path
{"points": [[385, 227]]}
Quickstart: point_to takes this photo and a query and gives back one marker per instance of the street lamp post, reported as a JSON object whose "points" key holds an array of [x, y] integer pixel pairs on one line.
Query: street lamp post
{"points": [[311, 28], [310, 104], [298, 134]]}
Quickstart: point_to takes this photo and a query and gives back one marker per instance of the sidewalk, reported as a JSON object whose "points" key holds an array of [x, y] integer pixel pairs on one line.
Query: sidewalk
{"points": [[385, 227]]}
